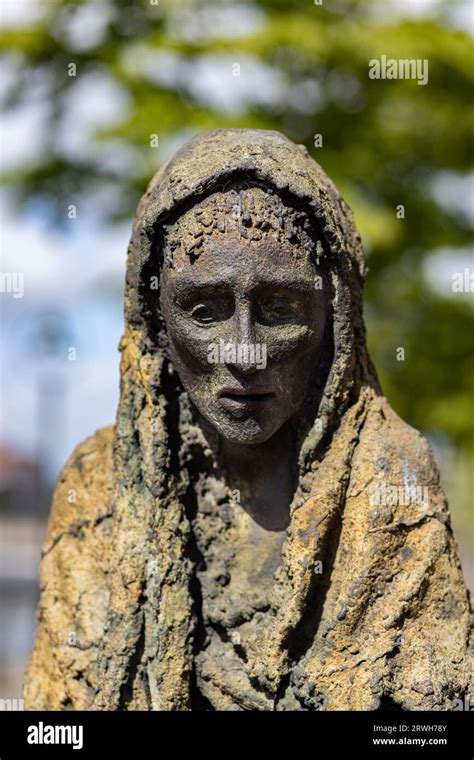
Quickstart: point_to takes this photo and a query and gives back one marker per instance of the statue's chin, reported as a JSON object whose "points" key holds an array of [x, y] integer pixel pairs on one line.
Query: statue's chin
{"points": [[248, 430]]}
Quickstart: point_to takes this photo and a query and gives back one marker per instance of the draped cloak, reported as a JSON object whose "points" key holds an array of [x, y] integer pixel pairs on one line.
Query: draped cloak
{"points": [[368, 608]]}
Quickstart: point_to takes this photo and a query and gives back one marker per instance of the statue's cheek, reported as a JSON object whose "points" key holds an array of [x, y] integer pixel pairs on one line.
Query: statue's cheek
{"points": [[289, 343], [195, 347]]}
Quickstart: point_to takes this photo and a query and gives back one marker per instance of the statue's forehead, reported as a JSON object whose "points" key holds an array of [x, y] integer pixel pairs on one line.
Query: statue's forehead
{"points": [[246, 215], [228, 260]]}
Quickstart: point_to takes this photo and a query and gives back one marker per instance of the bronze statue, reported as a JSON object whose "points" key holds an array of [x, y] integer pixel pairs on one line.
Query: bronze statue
{"points": [[259, 530]]}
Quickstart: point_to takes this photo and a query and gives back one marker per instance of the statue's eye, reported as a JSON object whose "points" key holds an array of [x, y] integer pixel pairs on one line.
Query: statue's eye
{"points": [[278, 309], [203, 313]]}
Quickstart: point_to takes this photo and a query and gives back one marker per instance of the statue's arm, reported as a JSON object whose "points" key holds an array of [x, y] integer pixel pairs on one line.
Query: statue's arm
{"points": [[73, 581]]}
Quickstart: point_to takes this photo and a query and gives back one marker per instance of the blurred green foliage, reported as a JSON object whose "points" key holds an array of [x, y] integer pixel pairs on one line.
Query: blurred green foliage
{"points": [[385, 143]]}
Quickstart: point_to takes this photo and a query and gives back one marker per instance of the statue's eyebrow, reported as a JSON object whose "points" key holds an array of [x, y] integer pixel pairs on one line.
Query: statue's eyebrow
{"points": [[287, 283], [184, 284], [188, 285]]}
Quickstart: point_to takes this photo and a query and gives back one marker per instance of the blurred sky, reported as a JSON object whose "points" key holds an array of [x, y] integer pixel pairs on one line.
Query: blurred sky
{"points": [[78, 271]]}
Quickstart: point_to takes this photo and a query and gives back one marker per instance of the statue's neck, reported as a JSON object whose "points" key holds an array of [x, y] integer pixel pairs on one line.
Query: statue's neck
{"points": [[265, 475]]}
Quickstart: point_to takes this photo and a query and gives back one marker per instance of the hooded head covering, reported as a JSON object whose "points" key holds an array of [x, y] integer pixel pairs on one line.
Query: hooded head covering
{"points": [[150, 639]]}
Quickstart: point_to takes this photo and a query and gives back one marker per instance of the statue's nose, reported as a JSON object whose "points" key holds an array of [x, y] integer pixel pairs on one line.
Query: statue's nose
{"points": [[243, 336]]}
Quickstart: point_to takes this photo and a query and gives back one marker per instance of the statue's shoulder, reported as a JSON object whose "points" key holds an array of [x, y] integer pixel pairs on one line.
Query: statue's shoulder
{"points": [[84, 489], [61, 672], [393, 445], [394, 464]]}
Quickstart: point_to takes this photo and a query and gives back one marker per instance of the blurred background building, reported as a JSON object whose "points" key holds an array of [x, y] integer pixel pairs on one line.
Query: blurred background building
{"points": [[97, 94]]}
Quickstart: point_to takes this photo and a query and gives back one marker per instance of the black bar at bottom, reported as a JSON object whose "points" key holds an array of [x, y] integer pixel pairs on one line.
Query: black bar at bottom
{"points": [[378, 734]]}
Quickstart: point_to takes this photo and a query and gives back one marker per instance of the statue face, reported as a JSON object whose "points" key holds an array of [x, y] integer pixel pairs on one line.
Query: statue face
{"points": [[245, 322]]}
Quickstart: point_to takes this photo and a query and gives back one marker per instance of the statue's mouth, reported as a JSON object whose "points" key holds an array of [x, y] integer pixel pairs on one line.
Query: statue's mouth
{"points": [[238, 399]]}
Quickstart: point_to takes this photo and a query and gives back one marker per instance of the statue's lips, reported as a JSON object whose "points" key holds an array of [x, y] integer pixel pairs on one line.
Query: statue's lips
{"points": [[237, 399]]}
